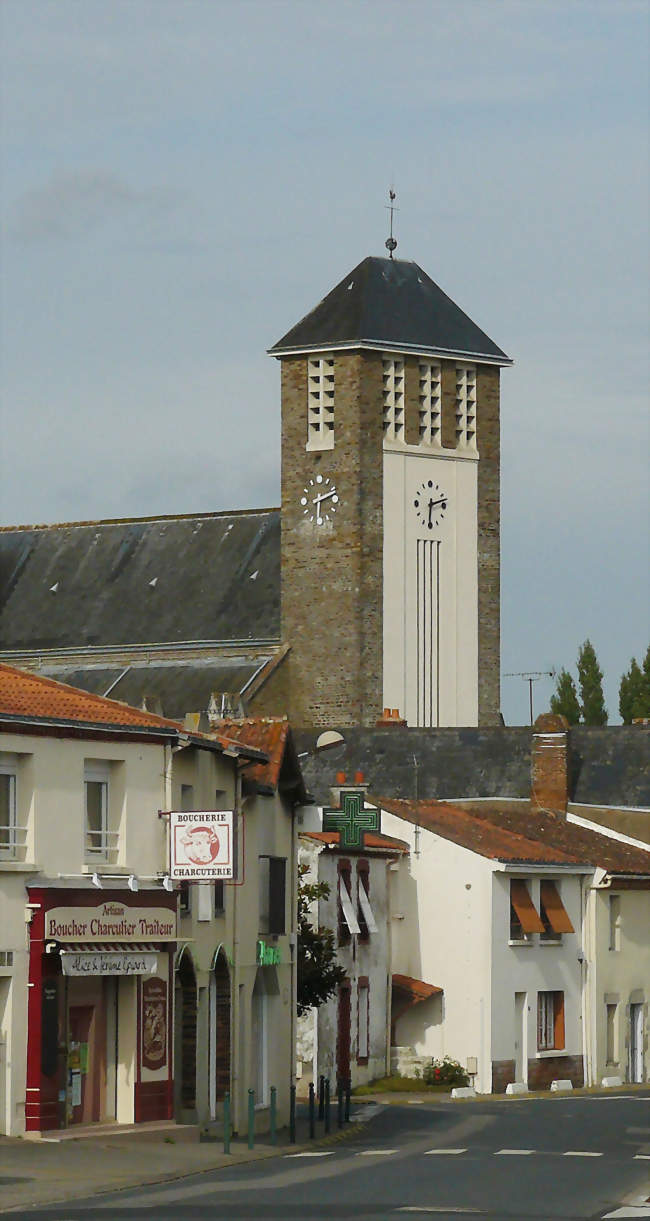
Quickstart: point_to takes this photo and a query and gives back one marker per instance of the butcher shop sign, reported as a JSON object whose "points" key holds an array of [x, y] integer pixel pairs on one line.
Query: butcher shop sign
{"points": [[201, 845]]}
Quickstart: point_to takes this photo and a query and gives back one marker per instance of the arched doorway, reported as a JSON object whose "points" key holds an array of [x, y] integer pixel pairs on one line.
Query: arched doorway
{"points": [[185, 1038], [219, 1067]]}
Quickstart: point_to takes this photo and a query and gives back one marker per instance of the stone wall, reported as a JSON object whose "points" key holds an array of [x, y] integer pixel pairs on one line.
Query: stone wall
{"points": [[489, 527]]}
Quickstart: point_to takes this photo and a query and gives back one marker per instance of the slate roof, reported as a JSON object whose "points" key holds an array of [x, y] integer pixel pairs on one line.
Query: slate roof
{"points": [[213, 576], [521, 835], [390, 303], [30, 697], [608, 766]]}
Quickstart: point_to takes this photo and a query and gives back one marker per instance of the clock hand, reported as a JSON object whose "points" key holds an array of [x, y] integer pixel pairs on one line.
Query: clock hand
{"points": [[325, 496]]}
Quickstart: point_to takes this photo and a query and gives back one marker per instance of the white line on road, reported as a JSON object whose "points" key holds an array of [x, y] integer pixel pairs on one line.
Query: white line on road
{"points": [[432, 1152], [642, 1157], [513, 1152], [438, 1208], [313, 1153], [629, 1212], [375, 1152], [580, 1153]]}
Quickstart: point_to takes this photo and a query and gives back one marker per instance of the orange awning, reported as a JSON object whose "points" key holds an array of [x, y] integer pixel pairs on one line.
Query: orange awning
{"points": [[416, 989], [523, 905], [556, 913]]}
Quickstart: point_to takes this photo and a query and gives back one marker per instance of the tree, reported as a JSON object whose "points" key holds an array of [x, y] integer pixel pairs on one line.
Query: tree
{"points": [[564, 701], [634, 691], [590, 680], [319, 974]]}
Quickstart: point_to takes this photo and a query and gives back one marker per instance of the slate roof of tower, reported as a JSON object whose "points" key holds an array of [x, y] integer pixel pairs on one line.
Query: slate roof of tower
{"points": [[212, 576], [390, 303]]}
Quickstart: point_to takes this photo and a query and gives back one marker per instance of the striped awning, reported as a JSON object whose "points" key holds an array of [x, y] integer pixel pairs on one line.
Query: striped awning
{"points": [[111, 947]]}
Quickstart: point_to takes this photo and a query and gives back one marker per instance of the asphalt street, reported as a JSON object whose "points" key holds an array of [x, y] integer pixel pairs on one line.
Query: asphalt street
{"points": [[517, 1160]]}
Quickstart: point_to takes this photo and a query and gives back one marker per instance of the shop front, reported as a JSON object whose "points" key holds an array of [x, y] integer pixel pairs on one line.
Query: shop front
{"points": [[100, 1007]]}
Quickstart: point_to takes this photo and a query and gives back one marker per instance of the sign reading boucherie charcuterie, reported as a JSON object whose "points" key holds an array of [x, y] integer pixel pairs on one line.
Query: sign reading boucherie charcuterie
{"points": [[110, 922], [201, 845]]}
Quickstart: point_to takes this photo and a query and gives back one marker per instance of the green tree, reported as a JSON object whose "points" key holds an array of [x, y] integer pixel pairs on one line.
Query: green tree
{"points": [[634, 691], [319, 973], [564, 700], [590, 681]]}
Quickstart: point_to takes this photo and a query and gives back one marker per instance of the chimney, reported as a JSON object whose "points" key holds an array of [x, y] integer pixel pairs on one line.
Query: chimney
{"points": [[343, 784], [390, 717], [549, 764]]}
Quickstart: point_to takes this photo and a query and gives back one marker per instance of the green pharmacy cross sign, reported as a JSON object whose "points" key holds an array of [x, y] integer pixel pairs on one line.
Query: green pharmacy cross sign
{"points": [[352, 820]]}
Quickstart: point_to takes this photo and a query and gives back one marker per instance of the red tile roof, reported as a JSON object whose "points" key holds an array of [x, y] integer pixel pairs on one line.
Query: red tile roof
{"points": [[273, 736], [416, 988], [386, 842], [520, 835]]}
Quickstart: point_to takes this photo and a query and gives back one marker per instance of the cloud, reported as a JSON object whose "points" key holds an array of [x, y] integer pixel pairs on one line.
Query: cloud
{"points": [[72, 205]]}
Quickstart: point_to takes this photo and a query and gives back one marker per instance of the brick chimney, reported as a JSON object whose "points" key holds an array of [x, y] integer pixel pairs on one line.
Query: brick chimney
{"points": [[391, 717], [549, 764]]}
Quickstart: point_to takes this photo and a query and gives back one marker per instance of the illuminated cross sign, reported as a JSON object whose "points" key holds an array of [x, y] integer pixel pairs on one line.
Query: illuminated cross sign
{"points": [[352, 821]]}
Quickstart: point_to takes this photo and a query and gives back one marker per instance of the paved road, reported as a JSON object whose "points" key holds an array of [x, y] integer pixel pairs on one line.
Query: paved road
{"points": [[528, 1160]]}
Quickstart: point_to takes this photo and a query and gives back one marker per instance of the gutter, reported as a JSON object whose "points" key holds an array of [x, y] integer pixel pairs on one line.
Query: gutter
{"points": [[389, 346]]}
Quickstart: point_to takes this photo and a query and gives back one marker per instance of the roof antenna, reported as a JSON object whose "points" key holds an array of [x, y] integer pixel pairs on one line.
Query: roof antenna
{"points": [[391, 242]]}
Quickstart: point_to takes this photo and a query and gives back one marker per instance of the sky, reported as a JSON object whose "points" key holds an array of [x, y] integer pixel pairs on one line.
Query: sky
{"points": [[182, 180]]}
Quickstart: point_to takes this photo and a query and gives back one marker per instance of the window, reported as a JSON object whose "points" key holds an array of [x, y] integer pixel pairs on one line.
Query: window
{"points": [[550, 1021], [554, 916], [465, 407], [363, 1020], [393, 371], [219, 898], [97, 834], [614, 922], [363, 888], [187, 797], [612, 1040], [347, 921], [8, 829], [272, 895], [185, 902], [429, 408], [320, 403], [524, 920]]}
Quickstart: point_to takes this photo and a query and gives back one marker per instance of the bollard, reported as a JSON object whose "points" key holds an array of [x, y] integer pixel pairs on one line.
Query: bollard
{"points": [[226, 1123], [292, 1115], [312, 1112], [273, 1115], [348, 1088], [321, 1096], [339, 1103], [251, 1119], [327, 1104]]}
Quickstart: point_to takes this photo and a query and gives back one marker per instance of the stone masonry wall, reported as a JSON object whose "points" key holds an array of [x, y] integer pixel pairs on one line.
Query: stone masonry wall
{"points": [[489, 527]]}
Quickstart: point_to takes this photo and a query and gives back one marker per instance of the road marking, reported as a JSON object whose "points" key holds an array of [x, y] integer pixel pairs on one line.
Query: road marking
{"points": [[313, 1153], [375, 1152], [634, 1211], [642, 1157], [513, 1152], [432, 1152], [580, 1153], [438, 1208]]}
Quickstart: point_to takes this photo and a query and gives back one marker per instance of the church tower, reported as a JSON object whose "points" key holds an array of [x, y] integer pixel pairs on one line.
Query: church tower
{"points": [[390, 505]]}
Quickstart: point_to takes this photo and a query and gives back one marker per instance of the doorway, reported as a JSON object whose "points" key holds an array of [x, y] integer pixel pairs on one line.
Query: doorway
{"points": [[343, 1034], [219, 1032], [185, 1038], [635, 1067]]}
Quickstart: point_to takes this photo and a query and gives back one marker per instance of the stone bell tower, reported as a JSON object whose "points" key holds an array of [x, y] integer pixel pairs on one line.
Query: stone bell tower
{"points": [[390, 505]]}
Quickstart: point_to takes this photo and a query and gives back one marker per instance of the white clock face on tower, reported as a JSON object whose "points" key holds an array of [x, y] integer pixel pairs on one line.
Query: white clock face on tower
{"points": [[430, 504], [319, 500]]}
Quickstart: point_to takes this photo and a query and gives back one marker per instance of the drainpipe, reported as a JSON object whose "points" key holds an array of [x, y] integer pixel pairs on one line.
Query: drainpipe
{"points": [[235, 1029]]}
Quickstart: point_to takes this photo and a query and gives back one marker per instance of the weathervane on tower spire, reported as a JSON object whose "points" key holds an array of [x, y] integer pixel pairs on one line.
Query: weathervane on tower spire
{"points": [[391, 242]]}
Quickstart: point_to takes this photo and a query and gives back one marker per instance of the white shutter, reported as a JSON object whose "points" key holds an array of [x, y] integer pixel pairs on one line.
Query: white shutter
{"points": [[348, 910], [366, 908]]}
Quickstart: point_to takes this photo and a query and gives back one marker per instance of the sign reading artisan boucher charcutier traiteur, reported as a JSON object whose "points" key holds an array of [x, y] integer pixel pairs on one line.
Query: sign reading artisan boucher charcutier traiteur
{"points": [[201, 845], [110, 922]]}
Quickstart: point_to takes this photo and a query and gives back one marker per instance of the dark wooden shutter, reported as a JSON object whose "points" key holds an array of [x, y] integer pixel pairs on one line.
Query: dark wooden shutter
{"points": [[277, 894]]}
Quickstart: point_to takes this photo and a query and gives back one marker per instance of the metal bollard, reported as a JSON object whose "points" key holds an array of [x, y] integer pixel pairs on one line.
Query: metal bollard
{"points": [[321, 1096], [226, 1123], [273, 1115], [327, 1104], [339, 1102], [348, 1088], [292, 1115], [312, 1112], [251, 1119]]}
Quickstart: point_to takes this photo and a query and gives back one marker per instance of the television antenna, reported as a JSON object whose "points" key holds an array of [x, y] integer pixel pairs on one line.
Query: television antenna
{"points": [[530, 676]]}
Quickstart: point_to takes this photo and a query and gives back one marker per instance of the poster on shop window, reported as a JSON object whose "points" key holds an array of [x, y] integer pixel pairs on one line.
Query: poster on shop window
{"points": [[154, 1024], [201, 845]]}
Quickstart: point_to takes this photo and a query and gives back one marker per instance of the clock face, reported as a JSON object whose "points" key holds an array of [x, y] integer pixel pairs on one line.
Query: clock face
{"points": [[430, 504], [319, 500]]}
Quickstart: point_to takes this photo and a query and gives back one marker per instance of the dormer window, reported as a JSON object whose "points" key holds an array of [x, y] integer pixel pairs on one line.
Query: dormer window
{"points": [[465, 407], [429, 408], [393, 375], [320, 403]]}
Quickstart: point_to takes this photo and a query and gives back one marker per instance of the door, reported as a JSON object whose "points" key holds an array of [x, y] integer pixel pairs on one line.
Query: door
{"points": [[343, 1035], [635, 1068], [83, 1094], [521, 1042]]}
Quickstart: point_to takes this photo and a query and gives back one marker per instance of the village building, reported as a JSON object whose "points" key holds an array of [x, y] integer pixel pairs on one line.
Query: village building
{"points": [[125, 996]]}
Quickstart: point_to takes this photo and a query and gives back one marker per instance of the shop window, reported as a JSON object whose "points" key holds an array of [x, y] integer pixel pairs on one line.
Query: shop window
{"points": [[363, 1020], [612, 1032], [553, 914], [8, 771], [272, 895], [550, 1021], [614, 922], [524, 920]]}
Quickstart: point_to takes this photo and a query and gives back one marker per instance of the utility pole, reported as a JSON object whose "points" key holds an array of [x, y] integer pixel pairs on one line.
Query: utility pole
{"points": [[531, 676]]}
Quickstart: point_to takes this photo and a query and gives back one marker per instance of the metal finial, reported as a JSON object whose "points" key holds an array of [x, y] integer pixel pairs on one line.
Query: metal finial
{"points": [[391, 242]]}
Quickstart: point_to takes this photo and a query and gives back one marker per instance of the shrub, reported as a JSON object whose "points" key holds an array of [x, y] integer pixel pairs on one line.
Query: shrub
{"points": [[445, 1072]]}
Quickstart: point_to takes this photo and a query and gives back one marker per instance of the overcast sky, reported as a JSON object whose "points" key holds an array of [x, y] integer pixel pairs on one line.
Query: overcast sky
{"points": [[183, 179]]}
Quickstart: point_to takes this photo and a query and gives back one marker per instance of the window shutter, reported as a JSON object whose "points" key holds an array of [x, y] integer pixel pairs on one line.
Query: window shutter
{"points": [[558, 1020], [277, 894]]}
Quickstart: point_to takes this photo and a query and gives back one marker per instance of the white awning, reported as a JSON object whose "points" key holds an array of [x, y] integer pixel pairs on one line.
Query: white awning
{"points": [[366, 908], [348, 910], [106, 962]]}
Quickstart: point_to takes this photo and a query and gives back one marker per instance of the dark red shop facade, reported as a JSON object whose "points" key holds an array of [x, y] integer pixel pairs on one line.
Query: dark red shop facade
{"points": [[100, 1006]]}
